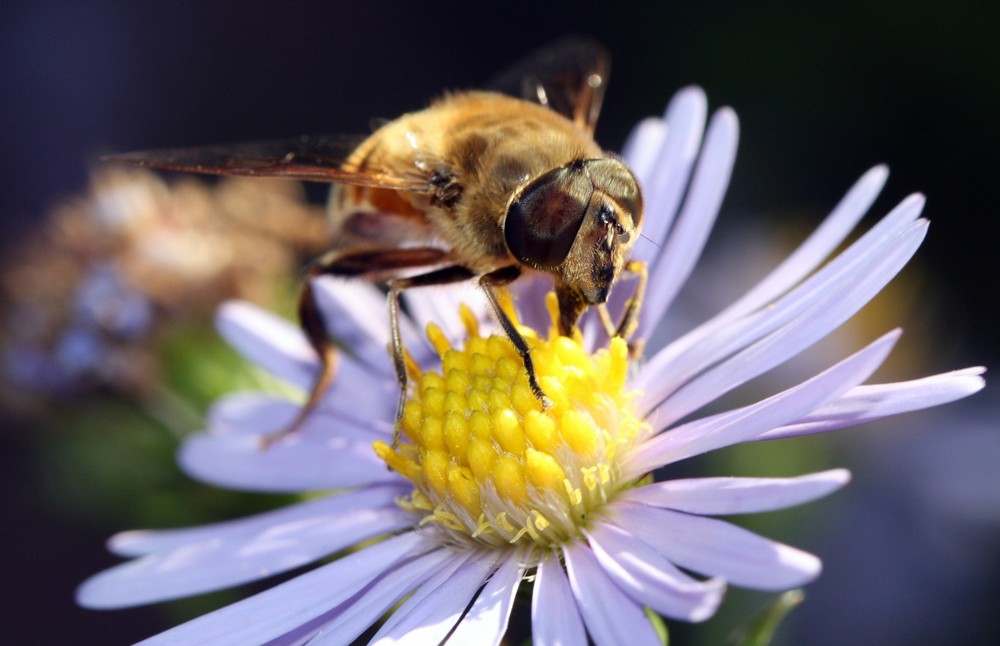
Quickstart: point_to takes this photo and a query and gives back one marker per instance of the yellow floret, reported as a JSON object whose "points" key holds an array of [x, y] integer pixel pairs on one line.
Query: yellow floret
{"points": [[508, 478], [438, 339], [487, 462]]}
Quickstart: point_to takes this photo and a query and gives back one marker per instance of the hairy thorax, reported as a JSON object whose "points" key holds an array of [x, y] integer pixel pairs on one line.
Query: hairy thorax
{"points": [[476, 150]]}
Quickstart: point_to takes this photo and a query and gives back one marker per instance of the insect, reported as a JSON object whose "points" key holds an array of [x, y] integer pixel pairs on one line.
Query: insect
{"points": [[484, 185]]}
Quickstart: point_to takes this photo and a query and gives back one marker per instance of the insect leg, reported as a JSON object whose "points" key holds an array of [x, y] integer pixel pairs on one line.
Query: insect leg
{"points": [[500, 278], [630, 317], [365, 263], [443, 276], [609, 326]]}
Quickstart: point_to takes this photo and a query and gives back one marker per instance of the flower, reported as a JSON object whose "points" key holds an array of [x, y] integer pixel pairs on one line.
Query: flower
{"points": [[85, 296], [564, 493]]}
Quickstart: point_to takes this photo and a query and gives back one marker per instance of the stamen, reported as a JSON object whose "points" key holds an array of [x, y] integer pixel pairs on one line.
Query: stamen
{"points": [[468, 320]]}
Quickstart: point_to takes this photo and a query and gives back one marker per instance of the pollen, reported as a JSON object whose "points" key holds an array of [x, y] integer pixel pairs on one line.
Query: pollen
{"points": [[489, 465]]}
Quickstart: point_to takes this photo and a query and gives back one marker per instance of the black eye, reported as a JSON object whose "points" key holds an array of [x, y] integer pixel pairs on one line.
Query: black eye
{"points": [[544, 218]]}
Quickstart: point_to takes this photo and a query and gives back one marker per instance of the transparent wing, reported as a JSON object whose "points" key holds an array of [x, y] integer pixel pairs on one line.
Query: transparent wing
{"points": [[569, 76], [318, 158]]}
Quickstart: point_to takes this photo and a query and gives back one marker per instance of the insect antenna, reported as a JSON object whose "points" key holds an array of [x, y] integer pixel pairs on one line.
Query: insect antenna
{"points": [[651, 241]]}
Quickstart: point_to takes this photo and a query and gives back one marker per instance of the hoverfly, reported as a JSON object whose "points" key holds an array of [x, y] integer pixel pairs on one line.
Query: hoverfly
{"points": [[483, 185]]}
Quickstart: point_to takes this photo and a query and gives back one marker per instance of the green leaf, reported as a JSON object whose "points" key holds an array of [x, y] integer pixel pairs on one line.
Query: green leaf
{"points": [[760, 630], [659, 626]]}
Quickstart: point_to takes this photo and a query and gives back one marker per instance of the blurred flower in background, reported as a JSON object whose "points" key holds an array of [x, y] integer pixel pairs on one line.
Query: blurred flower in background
{"points": [[89, 298]]}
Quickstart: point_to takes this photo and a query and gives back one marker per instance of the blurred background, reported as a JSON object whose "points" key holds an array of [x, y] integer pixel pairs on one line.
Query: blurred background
{"points": [[911, 548]]}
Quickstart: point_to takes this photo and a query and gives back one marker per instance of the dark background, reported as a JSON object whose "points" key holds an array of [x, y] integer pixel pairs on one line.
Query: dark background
{"points": [[822, 94]]}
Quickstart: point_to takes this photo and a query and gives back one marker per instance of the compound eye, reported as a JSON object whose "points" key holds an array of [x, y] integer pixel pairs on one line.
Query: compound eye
{"points": [[543, 220]]}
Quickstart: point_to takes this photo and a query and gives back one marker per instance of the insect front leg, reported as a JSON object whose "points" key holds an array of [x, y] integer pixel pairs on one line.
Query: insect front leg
{"points": [[345, 263], [630, 316], [500, 278], [443, 276]]}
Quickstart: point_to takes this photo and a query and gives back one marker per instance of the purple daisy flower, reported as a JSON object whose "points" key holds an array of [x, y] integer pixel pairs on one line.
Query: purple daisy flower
{"points": [[485, 488]]}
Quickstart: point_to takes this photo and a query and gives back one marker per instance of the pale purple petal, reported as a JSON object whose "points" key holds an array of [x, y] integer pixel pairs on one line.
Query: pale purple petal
{"points": [[486, 621], [283, 608], [701, 206], [355, 616], [260, 414], [357, 316], [439, 305], [356, 390], [317, 516], [830, 309], [279, 347], [744, 423], [832, 294], [555, 619], [716, 548], [610, 615], [431, 612], [297, 463], [186, 562], [269, 341], [813, 251], [250, 413], [642, 147], [529, 294], [684, 358], [722, 496], [663, 189], [809, 255], [863, 404], [650, 579]]}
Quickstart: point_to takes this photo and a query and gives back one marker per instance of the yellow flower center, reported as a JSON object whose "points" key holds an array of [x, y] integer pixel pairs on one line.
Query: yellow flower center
{"points": [[488, 464]]}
